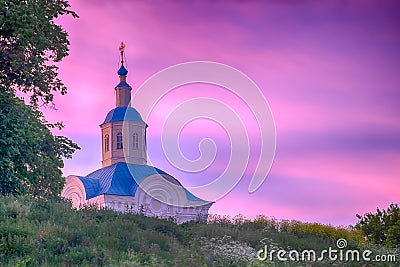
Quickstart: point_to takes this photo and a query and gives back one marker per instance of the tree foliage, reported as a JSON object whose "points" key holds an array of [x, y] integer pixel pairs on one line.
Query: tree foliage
{"points": [[30, 45], [31, 157], [31, 42], [383, 227]]}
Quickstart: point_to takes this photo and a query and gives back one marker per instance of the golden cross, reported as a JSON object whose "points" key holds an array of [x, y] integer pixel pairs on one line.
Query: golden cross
{"points": [[121, 50]]}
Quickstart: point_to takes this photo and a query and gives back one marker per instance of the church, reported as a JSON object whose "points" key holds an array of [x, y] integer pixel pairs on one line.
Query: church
{"points": [[125, 183]]}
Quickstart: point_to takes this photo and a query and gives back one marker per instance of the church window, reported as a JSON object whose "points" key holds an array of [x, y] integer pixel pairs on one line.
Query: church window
{"points": [[135, 141], [119, 141], [106, 143]]}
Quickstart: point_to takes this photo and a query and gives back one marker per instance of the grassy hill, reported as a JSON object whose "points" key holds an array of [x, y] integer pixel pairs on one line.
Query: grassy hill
{"points": [[38, 232]]}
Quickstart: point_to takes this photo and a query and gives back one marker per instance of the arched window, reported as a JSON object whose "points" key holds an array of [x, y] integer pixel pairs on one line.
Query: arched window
{"points": [[106, 143], [119, 141], [135, 141]]}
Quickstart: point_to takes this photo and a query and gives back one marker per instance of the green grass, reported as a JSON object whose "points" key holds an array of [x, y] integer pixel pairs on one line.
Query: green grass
{"points": [[36, 232]]}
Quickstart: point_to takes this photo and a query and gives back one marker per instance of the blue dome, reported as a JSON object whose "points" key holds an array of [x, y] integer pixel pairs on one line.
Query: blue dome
{"points": [[122, 71], [123, 113], [122, 179]]}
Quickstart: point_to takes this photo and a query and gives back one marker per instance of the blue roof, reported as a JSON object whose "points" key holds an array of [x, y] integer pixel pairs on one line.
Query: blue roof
{"points": [[190, 196], [122, 71], [123, 113], [122, 179]]}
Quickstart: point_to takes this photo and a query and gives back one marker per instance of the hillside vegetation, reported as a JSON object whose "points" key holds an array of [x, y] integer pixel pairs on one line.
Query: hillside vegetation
{"points": [[49, 233]]}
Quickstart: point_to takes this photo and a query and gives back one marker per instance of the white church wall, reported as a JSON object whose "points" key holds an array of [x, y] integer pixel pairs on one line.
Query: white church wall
{"points": [[120, 203], [75, 191]]}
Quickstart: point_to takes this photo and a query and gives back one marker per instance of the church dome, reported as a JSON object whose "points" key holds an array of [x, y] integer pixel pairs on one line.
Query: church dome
{"points": [[123, 113], [123, 179], [122, 71]]}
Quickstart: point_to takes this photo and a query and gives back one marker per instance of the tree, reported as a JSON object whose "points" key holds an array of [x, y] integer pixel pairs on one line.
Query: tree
{"points": [[30, 44], [383, 227], [31, 157]]}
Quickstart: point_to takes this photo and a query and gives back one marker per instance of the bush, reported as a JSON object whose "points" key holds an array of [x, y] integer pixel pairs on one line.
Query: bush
{"points": [[382, 227]]}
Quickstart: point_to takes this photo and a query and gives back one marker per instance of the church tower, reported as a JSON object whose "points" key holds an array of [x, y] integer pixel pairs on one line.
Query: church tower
{"points": [[123, 131]]}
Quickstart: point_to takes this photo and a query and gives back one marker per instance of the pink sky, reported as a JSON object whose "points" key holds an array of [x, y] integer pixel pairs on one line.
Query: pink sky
{"points": [[329, 70]]}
